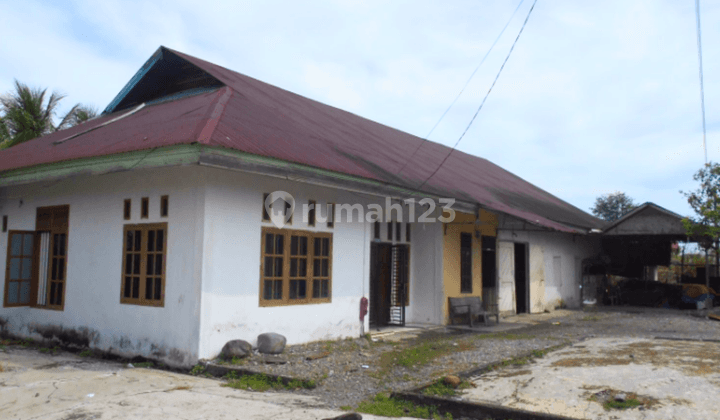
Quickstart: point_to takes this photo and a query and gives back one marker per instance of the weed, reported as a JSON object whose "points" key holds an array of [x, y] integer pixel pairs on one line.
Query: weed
{"points": [[345, 408], [591, 318], [383, 405], [622, 405], [44, 350], [197, 370], [144, 365], [85, 353], [441, 389], [261, 382], [238, 361]]}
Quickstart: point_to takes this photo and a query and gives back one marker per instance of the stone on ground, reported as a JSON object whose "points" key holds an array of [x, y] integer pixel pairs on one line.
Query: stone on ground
{"points": [[271, 343], [452, 380], [236, 348]]}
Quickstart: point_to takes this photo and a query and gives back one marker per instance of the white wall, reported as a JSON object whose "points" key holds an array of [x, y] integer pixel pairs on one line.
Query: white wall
{"points": [[94, 262], [231, 273], [426, 278], [547, 285]]}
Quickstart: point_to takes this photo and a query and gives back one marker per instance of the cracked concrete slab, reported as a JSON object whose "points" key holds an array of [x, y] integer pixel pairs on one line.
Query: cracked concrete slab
{"points": [[675, 379], [67, 387]]}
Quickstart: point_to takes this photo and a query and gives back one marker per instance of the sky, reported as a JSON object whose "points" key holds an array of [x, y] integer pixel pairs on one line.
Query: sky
{"points": [[597, 97]]}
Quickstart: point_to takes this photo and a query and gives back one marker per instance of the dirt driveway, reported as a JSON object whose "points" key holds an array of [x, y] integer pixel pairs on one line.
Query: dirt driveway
{"points": [[612, 378], [40, 386]]}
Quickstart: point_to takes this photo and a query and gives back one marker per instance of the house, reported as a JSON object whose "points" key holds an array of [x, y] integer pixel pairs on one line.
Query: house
{"points": [[146, 231]]}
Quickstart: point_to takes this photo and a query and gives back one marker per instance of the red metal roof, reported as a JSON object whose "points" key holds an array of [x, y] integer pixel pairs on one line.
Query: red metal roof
{"points": [[258, 118]]}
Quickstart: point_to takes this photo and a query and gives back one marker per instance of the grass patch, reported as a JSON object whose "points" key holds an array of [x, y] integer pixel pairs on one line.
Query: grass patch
{"points": [[383, 405], [622, 405], [441, 389], [261, 383], [416, 356], [592, 318], [144, 364], [85, 353], [197, 370]]}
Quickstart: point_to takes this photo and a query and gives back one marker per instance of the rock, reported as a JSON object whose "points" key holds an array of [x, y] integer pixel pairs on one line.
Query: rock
{"points": [[271, 343], [348, 416], [274, 360], [452, 380], [621, 397], [236, 348]]}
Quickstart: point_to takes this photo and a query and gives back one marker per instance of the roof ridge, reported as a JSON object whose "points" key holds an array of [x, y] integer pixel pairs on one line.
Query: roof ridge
{"points": [[212, 118]]}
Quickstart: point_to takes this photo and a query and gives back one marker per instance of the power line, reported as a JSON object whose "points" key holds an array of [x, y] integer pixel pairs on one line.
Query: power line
{"points": [[484, 99], [461, 91], [702, 88]]}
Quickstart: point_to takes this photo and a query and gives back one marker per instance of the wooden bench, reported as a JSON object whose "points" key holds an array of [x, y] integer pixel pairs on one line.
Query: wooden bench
{"points": [[470, 307]]}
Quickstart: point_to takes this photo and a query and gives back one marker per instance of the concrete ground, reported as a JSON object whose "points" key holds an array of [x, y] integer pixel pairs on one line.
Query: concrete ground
{"points": [[34, 385], [674, 379]]}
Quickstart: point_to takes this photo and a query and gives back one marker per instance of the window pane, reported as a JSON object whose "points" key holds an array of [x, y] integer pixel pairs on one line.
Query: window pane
{"points": [[160, 240], [269, 242], [303, 245], [278, 266], [302, 267], [151, 241], [14, 268], [326, 247], [317, 245], [294, 245], [158, 265], [267, 289], [316, 288], [136, 287], [13, 292], [279, 244], [28, 244], [128, 263], [325, 264], [316, 267], [53, 293], [25, 292], [325, 292], [26, 268], [302, 289], [61, 245], [53, 272], [158, 287], [56, 244], [293, 267], [150, 264], [136, 263], [137, 236], [293, 289], [129, 240], [16, 245], [59, 296], [148, 288], [268, 266], [61, 269], [277, 289], [128, 286]]}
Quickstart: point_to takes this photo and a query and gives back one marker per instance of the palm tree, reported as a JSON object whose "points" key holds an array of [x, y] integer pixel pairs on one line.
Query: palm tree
{"points": [[28, 115]]}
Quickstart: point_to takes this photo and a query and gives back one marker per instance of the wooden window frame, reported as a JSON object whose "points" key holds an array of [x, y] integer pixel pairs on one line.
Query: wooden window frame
{"points": [[142, 274], [32, 295], [145, 208], [466, 278], [127, 209], [284, 276], [164, 206]]}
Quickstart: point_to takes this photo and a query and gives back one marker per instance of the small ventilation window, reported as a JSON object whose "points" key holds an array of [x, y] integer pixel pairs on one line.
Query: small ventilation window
{"points": [[127, 209], [164, 204], [145, 208]]}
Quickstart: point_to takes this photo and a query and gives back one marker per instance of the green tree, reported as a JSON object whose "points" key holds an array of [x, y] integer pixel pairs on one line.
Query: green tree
{"points": [[612, 206], [704, 226], [29, 113]]}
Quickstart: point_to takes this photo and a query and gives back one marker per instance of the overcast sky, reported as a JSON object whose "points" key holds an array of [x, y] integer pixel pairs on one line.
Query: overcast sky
{"points": [[597, 97]]}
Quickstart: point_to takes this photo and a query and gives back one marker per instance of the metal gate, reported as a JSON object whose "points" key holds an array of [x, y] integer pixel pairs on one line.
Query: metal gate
{"points": [[399, 284]]}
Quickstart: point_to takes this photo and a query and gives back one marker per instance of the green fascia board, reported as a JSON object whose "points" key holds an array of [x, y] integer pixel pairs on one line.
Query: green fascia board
{"points": [[194, 154], [151, 158]]}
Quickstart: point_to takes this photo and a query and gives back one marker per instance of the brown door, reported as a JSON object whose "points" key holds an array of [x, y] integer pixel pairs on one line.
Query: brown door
{"points": [[380, 282]]}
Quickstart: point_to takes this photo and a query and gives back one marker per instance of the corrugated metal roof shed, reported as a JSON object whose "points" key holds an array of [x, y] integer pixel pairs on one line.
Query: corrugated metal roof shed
{"points": [[231, 110]]}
